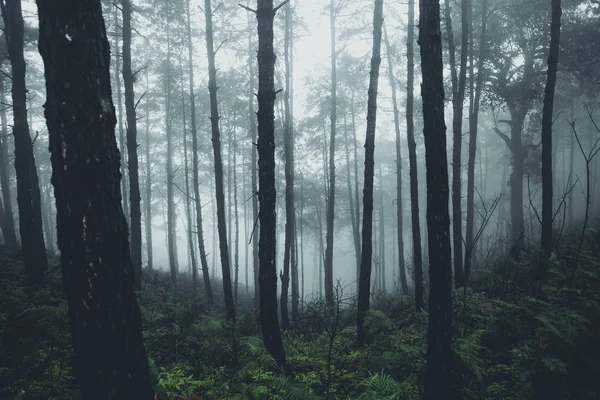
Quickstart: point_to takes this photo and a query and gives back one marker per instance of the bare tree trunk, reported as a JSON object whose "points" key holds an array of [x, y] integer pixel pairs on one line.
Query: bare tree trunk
{"points": [[265, 14], [571, 167], [236, 215], [458, 97], [8, 224], [195, 176], [412, 157], [381, 233], [28, 189], [148, 205], [331, 194], [547, 133], [355, 223], [132, 157], [98, 275], [367, 227], [302, 237], [473, 127], [438, 376], [399, 200], [216, 140]]}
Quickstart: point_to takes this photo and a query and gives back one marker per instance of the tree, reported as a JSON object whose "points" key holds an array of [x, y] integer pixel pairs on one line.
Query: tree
{"points": [[267, 274], [399, 200], [148, 194], [367, 227], [459, 80], [8, 223], [216, 140], [412, 158], [438, 379], [547, 216], [28, 189], [98, 275], [135, 219]]}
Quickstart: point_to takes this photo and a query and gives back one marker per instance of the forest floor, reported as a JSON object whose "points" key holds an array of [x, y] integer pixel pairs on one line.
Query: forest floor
{"points": [[508, 343]]}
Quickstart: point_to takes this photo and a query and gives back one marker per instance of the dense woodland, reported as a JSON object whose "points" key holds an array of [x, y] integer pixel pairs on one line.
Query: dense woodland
{"points": [[313, 199]]}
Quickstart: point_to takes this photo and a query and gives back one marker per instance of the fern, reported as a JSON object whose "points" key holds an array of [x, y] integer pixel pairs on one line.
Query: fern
{"points": [[381, 386]]}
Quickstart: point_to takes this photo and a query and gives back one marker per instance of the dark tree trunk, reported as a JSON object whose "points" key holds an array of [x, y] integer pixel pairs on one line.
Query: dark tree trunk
{"points": [[8, 224], [266, 175], [399, 200], [216, 140], [98, 273], [331, 192], [412, 157], [290, 212], [195, 179], [547, 131], [459, 80], [28, 189], [148, 199], [438, 378], [367, 227], [132, 157], [381, 234], [473, 127], [236, 260]]}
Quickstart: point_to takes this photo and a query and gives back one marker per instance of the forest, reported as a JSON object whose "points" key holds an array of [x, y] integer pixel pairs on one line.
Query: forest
{"points": [[300, 199]]}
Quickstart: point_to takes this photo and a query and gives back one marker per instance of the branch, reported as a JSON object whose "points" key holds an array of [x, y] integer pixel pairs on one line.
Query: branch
{"points": [[279, 6], [247, 8], [503, 135]]}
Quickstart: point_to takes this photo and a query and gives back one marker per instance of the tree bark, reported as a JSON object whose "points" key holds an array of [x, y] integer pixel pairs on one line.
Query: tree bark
{"points": [[236, 260], [8, 224], [412, 157], [98, 275], [355, 223], [459, 80], [438, 377], [367, 227], [216, 140], [148, 199], [399, 200], [331, 192], [547, 132], [473, 127], [132, 157], [266, 174], [28, 189]]}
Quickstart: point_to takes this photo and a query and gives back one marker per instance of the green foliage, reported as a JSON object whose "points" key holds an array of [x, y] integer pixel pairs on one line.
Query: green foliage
{"points": [[178, 380]]}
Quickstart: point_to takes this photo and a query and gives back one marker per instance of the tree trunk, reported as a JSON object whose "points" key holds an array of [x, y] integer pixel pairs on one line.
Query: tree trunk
{"points": [[459, 80], [547, 132], [236, 214], [412, 157], [473, 127], [148, 205], [28, 189], [381, 234], [98, 275], [355, 223], [367, 227], [438, 377], [132, 157], [266, 174], [331, 192], [216, 140], [516, 179], [8, 224], [399, 200], [302, 238]]}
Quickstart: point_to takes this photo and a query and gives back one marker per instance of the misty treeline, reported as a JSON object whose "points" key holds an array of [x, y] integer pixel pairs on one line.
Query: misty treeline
{"points": [[351, 169]]}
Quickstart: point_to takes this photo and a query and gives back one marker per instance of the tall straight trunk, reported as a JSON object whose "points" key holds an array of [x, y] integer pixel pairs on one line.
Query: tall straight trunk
{"points": [[473, 127], [438, 376], [148, 199], [367, 227], [171, 212], [122, 143], [571, 166], [302, 239], [321, 251], [135, 221], [265, 14], [356, 189], [412, 157], [8, 224], [290, 213], [459, 79], [195, 173], [252, 122], [246, 222], [229, 202], [216, 141], [236, 215], [381, 233], [331, 192], [517, 150], [399, 200], [355, 223], [547, 129], [97, 270], [28, 189], [46, 213], [188, 206]]}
